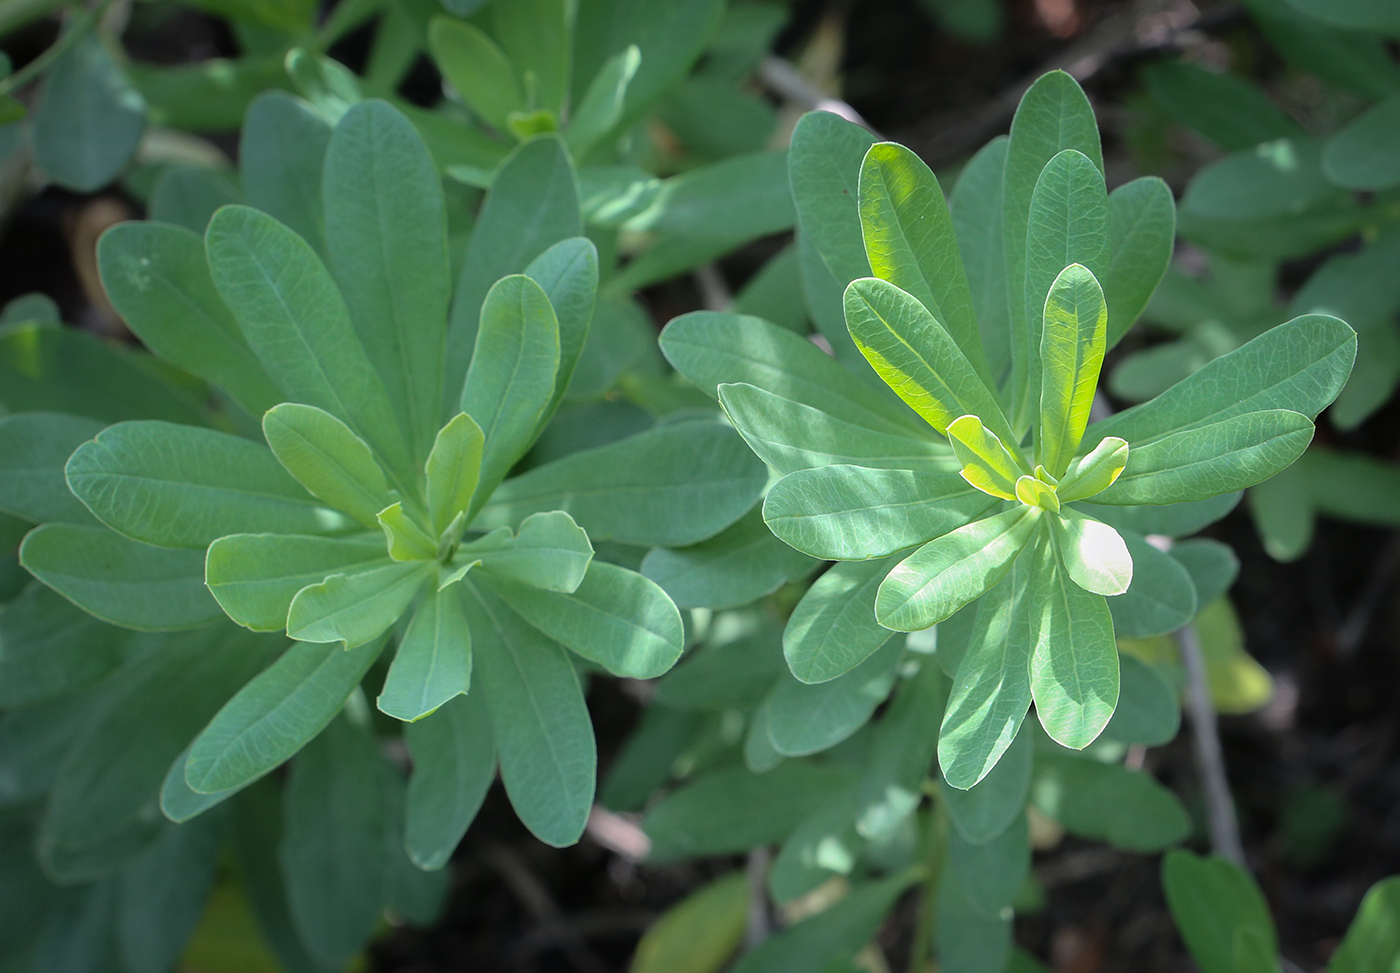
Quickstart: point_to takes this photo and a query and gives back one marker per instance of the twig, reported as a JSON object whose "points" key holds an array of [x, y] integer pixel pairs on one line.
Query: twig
{"points": [[1220, 808], [758, 927], [714, 292], [783, 78]]}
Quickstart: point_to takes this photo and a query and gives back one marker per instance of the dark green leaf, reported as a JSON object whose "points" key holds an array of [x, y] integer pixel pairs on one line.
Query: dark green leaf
{"points": [[454, 762], [1212, 900], [88, 118], [805, 718], [34, 447], [280, 163], [1108, 802]]}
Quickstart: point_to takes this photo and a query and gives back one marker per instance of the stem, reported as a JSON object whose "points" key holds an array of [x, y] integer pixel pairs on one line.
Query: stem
{"points": [[757, 927], [57, 49], [1205, 736], [935, 851]]}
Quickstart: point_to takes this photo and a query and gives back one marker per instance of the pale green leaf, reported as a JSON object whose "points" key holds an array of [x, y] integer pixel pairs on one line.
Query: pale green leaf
{"points": [[1094, 472], [158, 280], [914, 354], [977, 206], [1074, 659], [1035, 492], [1071, 354], [434, 660], [326, 457], [254, 577], [833, 627], [910, 242], [850, 513], [407, 539], [824, 165], [295, 320], [989, 807], [616, 618], [549, 551], [950, 571], [386, 236], [990, 874], [121, 581], [1204, 460], [544, 738], [602, 104], [631, 490], [184, 486], [1093, 553], [453, 469], [511, 377], [187, 195], [454, 762], [477, 68], [275, 714], [280, 160], [568, 273], [357, 607], [986, 462], [1161, 597], [1148, 709]]}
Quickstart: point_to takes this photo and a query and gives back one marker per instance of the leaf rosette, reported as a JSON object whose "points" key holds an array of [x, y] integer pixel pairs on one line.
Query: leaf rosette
{"points": [[966, 475]]}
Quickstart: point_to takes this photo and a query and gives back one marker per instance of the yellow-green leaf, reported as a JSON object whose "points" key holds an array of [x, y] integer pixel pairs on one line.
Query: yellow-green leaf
{"points": [[1095, 472], [986, 462], [453, 468], [1071, 353]]}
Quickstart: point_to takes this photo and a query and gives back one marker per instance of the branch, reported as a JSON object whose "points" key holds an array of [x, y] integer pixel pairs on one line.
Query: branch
{"points": [[1205, 735]]}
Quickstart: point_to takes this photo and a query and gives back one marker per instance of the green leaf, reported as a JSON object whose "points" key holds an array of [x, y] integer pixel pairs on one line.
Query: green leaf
{"points": [[968, 939], [164, 894], [355, 608], [406, 538], [454, 762], [1141, 234], [386, 235], [254, 577], [699, 933], [1053, 116], [1374, 936], [1274, 179], [280, 163], [1093, 554], [735, 674], [568, 273], [296, 322], [910, 242], [952, 570], [158, 280], [833, 628], [601, 108], [532, 205], [1161, 597], [1212, 900], [824, 845], [1172, 520], [977, 217], [511, 378], [88, 118], [479, 70], [434, 660], [1366, 15], [1108, 802], [850, 513], [630, 491], [535, 34], [34, 446], [453, 469], [730, 810], [1068, 225], [805, 718], [109, 779], [183, 486], [824, 166], [275, 714], [986, 462], [1094, 472], [741, 563], [52, 648], [901, 754], [1228, 110], [1071, 354], [1212, 566], [712, 348], [544, 738], [332, 849], [1074, 659], [990, 874], [188, 195], [832, 936], [644, 764], [328, 459], [179, 802], [1363, 154], [737, 199], [121, 581], [616, 618], [549, 551], [992, 686], [790, 436], [1206, 460], [1148, 712], [914, 354], [989, 807]]}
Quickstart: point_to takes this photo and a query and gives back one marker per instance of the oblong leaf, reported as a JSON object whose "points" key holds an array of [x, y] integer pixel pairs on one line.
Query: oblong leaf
{"points": [[453, 469], [183, 486], [1093, 553], [355, 607], [616, 618], [328, 459], [1108, 802], [952, 570], [1161, 598], [434, 660], [549, 551], [275, 714], [986, 462], [34, 447], [1141, 234], [850, 513], [121, 581], [833, 628], [454, 762], [803, 718], [254, 577], [1071, 354]]}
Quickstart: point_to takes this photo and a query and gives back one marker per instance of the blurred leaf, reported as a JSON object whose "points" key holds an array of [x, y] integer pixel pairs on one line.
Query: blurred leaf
{"points": [[1373, 940], [699, 933], [1238, 684], [740, 564], [1108, 802], [1212, 900], [1229, 111], [454, 762]]}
